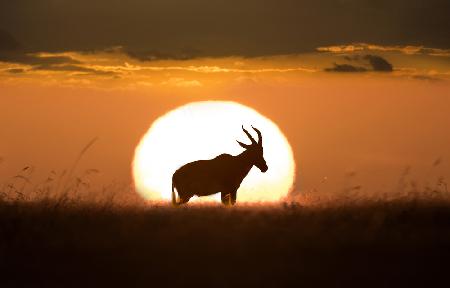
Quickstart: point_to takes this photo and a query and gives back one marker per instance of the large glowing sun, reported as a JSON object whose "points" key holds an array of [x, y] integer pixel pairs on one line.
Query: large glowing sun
{"points": [[204, 130]]}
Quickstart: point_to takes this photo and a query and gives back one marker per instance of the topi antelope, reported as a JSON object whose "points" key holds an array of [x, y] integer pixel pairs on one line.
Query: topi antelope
{"points": [[222, 174]]}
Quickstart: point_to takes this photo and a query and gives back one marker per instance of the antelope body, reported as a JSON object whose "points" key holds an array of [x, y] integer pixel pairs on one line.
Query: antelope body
{"points": [[223, 173]]}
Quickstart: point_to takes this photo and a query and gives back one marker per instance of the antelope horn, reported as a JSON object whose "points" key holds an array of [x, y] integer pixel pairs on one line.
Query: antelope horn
{"points": [[248, 135], [243, 145], [259, 135]]}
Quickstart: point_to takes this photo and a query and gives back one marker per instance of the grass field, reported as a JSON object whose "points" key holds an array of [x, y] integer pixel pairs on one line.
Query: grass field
{"points": [[403, 242]]}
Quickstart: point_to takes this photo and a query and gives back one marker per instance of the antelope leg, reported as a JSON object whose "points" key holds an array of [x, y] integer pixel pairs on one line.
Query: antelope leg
{"points": [[233, 196], [226, 198]]}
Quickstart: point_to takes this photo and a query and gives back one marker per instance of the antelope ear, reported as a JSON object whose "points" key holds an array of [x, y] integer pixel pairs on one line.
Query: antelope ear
{"points": [[245, 146]]}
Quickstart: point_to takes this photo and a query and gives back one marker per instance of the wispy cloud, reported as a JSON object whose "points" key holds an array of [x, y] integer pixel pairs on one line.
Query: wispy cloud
{"points": [[15, 70], [181, 82], [103, 66], [364, 47], [73, 68], [424, 75]]}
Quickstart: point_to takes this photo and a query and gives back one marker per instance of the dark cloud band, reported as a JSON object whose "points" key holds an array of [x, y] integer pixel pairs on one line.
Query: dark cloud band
{"points": [[173, 29], [364, 63]]}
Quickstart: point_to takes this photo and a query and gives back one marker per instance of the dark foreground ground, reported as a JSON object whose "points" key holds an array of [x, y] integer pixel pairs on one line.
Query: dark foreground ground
{"points": [[387, 244]]}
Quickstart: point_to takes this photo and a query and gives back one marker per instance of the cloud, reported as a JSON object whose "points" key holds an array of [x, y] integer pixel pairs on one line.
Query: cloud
{"points": [[11, 52], [425, 77], [345, 68], [378, 63], [159, 29], [364, 47], [73, 68], [365, 63], [341, 48], [152, 55], [48, 63], [181, 82], [15, 70], [19, 57]]}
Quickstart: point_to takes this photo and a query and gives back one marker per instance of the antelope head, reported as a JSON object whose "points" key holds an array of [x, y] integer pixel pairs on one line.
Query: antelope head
{"points": [[255, 150]]}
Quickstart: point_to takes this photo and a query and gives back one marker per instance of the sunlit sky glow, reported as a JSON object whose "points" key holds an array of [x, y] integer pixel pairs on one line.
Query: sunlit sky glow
{"points": [[204, 130], [356, 86]]}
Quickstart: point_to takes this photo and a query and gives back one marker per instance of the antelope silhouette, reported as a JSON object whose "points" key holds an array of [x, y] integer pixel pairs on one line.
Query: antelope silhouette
{"points": [[223, 173]]}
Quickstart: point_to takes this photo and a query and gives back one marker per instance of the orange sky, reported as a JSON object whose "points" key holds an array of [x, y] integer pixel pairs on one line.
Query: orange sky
{"points": [[372, 123]]}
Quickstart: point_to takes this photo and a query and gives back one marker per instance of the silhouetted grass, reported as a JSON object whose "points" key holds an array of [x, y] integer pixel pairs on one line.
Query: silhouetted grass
{"points": [[364, 243], [61, 232]]}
